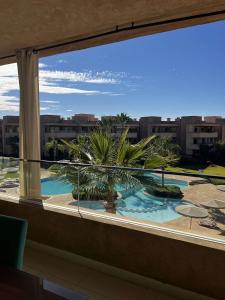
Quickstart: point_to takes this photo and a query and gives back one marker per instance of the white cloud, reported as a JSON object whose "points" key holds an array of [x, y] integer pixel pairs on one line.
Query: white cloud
{"points": [[45, 88], [9, 103], [42, 65], [88, 77], [44, 108], [61, 61], [69, 110], [53, 82], [118, 94], [50, 101]]}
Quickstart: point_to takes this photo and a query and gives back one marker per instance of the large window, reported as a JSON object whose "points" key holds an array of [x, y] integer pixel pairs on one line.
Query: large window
{"points": [[134, 129]]}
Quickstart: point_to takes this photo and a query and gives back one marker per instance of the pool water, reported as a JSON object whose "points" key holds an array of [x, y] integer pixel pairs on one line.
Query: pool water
{"points": [[149, 207], [168, 181], [54, 186], [134, 203]]}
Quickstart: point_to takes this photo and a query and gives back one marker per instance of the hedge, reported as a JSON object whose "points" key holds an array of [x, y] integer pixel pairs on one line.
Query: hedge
{"points": [[167, 191]]}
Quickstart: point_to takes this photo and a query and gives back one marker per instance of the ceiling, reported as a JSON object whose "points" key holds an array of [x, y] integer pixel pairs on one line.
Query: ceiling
{"points": [[55, 26]]}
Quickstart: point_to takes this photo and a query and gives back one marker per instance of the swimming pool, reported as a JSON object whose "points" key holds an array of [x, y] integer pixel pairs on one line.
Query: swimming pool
{"points": [[148, 207], [182, 184], [134, 203], [54, 186]]}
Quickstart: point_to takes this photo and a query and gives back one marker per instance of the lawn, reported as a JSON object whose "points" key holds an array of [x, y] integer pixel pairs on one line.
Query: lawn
{"points": [[10, 176], [209, 170], [215, 170]]}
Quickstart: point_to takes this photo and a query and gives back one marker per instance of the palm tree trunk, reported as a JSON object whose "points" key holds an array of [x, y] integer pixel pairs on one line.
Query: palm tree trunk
{"points": [[163, 177], [54, 153], [110, 205]]}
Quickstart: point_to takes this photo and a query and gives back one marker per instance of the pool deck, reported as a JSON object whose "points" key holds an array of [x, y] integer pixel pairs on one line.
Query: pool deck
{"points": [[196, 194]]}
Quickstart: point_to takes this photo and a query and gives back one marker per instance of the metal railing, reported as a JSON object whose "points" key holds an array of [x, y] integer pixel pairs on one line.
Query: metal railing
{"points": [[117, 167], [78, 198]]}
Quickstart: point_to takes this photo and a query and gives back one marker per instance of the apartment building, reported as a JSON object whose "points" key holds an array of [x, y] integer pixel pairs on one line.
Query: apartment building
{"points": [[117, 128], [190, 132], [52, 127], [153, 125], [10, 135], [196, 131], [1, 139], [56, 127]]}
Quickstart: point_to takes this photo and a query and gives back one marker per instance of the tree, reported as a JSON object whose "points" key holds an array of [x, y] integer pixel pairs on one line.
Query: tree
{"points": [[78, 149], [206, 152], [219, 153], [106, 124], [213, 153], [123, 119], [14, 144], [54, 146], [101, 178], [162, 152]]}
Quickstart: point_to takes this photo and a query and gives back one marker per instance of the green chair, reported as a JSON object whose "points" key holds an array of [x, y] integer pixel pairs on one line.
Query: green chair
{"points": [[13, 233]]}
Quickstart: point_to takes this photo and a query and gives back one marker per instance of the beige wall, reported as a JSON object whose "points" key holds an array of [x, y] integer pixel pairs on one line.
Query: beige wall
{"points": [[184, 262]]}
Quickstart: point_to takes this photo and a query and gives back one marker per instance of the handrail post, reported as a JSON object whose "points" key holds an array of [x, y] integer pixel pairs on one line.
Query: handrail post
{"points": [[78, 189], [163, 177]]}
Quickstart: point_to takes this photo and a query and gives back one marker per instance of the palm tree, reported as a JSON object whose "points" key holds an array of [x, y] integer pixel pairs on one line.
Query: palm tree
{"points": [[78, 149], [162, 152], [106, 124], [104, 151], [55, 146], [123, 119]]}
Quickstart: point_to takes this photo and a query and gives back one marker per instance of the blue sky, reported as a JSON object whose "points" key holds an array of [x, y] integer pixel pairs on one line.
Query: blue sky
{"points": [[176, 73]]}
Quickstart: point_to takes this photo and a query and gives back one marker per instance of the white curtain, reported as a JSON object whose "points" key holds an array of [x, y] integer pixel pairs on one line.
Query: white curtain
{"points": [[29, 126]]}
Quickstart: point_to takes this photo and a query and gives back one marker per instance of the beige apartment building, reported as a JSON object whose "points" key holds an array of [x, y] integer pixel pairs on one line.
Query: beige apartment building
{"points": [[56, 127], [10, 135], [189, 132]]}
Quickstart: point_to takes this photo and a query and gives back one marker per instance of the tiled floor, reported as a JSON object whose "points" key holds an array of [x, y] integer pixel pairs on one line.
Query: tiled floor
{"points": [[95, 284]]}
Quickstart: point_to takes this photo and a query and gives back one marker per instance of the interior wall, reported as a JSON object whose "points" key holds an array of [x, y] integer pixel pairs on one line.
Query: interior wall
{"points": [[187, 265]]}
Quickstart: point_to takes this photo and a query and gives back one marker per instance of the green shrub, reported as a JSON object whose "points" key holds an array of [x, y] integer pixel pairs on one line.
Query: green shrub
{"points": [[97, 195], [54, 168], [167, 191], [216, 181], [145, 180]]}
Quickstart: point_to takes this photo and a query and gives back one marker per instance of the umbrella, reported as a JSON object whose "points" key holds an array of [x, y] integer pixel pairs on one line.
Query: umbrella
{"points": [[216, 204], [192, 212], [213, 205], [221, 188]]}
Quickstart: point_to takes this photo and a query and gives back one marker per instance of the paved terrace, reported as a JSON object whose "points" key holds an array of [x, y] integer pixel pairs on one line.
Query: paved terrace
{"points": [[196, 194]]}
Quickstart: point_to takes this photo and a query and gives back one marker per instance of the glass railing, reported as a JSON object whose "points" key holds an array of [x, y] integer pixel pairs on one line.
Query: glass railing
{"points": [[182, 202], [9, 176]]}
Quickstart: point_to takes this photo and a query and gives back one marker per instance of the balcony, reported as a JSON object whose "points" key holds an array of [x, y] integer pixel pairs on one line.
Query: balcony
{"points": [[156, 255], [205, 134], [137, 216], [166, 134], [61, 134], [130, 134]]}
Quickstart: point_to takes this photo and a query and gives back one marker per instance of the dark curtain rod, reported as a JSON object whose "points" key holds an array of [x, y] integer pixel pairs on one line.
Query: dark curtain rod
{"points": [[135, 27], [127, 28]]}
